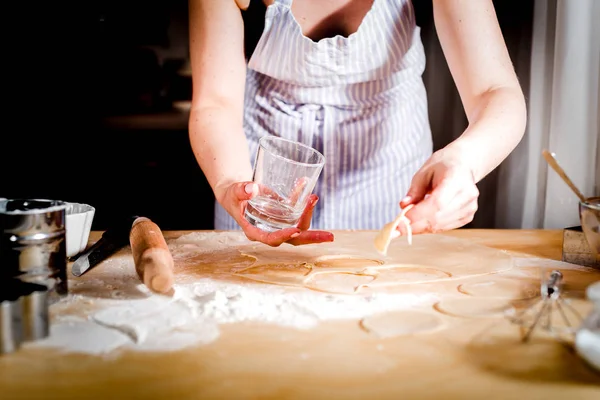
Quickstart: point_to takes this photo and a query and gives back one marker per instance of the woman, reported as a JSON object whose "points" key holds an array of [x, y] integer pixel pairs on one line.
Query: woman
{"points": [[344, 76]]}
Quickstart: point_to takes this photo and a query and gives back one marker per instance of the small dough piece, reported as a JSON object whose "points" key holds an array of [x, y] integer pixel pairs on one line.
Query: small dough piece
{"points": [[400, 323], [385, 235]]}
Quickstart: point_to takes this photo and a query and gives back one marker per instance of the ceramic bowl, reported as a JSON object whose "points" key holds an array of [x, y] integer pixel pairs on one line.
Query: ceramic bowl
{"points": [[79, 219], [589, 214]]}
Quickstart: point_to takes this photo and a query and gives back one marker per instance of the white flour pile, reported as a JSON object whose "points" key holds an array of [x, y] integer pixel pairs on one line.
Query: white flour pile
{"points": [[192, 317]]}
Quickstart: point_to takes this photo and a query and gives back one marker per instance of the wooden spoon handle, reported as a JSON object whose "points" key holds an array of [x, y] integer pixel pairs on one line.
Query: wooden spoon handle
{"points": [[554, 164], [151, 255]]}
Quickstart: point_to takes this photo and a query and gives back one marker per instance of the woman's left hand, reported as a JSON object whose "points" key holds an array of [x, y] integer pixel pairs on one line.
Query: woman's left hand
{"points": [[443, 193]]}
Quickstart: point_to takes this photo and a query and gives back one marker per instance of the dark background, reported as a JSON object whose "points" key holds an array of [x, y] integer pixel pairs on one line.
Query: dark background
{"points": [[95, 96]]}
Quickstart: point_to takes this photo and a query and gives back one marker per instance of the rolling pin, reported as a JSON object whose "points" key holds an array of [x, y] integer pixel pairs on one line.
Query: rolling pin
{"points": [[152, 258]]}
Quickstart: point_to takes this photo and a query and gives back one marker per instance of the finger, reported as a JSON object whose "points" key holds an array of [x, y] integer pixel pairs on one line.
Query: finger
{"points": [[309, 237], [266, 191], [425, 216], [245, 190], [456, 223], [422, 226], [441, 197], [401, 229], [447, 221], [305, 218], [463, 204], [299, 186], [466, 211], [273, 239], [419, 187]]}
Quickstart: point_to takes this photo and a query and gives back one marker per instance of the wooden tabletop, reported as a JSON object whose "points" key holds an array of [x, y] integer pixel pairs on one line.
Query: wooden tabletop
{"points": [[474, 359]]}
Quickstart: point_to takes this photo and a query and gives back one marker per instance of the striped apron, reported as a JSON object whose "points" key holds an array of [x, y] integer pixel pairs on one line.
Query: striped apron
{"points": [[360, 100]]}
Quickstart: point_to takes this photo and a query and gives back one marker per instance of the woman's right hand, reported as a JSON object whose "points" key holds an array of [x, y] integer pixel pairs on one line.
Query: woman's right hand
{"points": [[234, 199]]}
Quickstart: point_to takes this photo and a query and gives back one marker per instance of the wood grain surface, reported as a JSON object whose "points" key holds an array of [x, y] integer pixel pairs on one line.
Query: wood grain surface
{"points": [[473, 358]]}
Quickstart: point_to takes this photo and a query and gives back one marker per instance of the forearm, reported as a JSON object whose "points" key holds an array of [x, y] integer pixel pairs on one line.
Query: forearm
{"points": [[220, 147], [496, 125]]}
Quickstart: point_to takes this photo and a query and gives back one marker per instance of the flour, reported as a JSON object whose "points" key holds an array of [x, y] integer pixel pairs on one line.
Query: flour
{"points": [[111, 311], [192, 317], [80, 336]]}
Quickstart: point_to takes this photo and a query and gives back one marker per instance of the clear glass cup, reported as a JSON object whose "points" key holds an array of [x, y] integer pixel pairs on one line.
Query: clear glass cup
{"points": [[286, 173]]}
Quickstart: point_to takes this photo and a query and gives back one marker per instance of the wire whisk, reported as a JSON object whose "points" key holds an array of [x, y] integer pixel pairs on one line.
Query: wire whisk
{"points": [[551, 312]]}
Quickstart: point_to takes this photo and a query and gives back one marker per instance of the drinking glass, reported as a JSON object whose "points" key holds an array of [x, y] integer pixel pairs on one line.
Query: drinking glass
{"points": [[286, 173]]}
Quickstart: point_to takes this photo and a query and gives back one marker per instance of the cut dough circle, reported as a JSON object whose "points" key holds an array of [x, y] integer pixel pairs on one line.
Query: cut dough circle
{"points": [[346, 262], [399, 274], [333, 274], [400, 323], [502, 288], [473, 307], [337, 282]]}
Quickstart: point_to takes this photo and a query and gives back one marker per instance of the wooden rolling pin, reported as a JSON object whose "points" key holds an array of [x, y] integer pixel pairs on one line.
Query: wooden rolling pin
{"points": [[152, 258]]}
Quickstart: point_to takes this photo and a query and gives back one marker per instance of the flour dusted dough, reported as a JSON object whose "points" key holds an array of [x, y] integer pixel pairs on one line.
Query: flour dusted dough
{"points": [[502, 288], [385, 235], [402, 274], [474, 307], [338, 282], [400, 323], [344, 273]]}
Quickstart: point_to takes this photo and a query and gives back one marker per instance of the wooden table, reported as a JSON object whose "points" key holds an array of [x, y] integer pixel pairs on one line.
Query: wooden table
{"points": [[334, 360]]}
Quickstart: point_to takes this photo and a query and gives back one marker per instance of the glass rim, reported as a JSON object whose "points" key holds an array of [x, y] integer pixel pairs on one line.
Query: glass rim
{"points": [[266, 138]]}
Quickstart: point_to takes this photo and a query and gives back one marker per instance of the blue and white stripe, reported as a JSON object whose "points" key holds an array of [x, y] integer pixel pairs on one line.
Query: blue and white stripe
{"points": [[359, 100]]}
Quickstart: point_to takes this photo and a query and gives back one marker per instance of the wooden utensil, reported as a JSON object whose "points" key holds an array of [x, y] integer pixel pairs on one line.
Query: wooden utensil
{"points": [[556, 167], [151, 255]]}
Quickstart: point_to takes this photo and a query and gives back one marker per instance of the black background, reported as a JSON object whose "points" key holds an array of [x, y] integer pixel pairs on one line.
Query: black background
{"points": [[69, 67]]}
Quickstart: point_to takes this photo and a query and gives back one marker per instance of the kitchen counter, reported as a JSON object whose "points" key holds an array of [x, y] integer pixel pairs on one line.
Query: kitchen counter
{"points": [[473, 358]]}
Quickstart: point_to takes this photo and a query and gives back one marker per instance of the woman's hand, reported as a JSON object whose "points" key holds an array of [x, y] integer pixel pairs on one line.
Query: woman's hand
{"points": [[444, 194], [234, 199]]}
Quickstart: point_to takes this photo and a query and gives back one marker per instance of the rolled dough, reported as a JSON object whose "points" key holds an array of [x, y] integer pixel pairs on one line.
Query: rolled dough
{"points": [[502, 288], [399, 274], [473, 307], [344, 273], [337, 282], [400, 323]]}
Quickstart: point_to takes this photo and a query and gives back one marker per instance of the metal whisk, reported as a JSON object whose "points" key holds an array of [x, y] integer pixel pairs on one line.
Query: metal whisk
{"points": [[550, 304]]}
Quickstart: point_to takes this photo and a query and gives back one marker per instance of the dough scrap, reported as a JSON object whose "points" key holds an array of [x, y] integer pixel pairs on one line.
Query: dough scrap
{"points": [[400, 323], [385, 235]]}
